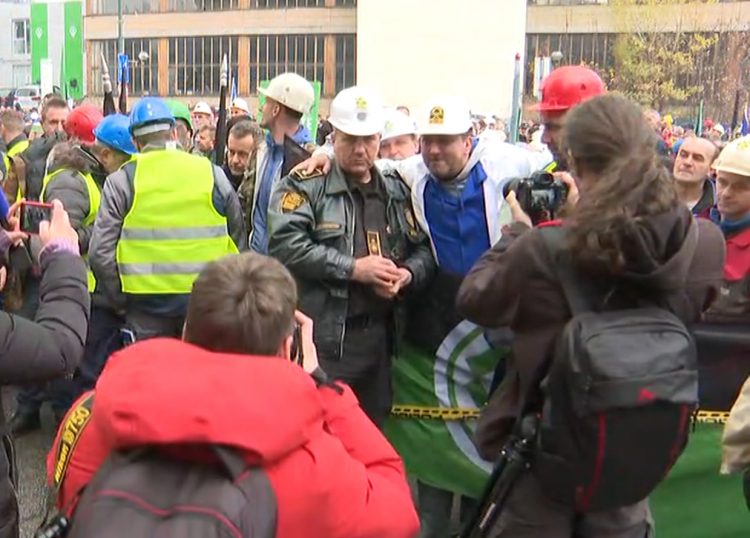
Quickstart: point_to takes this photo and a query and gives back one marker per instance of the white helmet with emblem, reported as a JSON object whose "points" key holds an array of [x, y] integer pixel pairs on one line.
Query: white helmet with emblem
{"points": [[735, 157], [292, 91], [357, 111], [397, 124], [445, 116]]}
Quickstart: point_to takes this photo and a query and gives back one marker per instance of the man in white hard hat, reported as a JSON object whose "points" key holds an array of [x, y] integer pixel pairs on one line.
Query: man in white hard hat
{"points": [[399, 140], [239, 108], [288, 98], [351, 241], [202, 115], [457, 194], [732, 214]]}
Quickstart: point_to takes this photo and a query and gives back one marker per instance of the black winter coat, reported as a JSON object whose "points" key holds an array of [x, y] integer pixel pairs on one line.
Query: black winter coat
{"points": [[48, 347]]}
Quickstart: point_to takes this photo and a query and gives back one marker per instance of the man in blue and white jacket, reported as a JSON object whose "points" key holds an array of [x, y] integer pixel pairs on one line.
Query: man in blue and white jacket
{"points": [[457, 194]]}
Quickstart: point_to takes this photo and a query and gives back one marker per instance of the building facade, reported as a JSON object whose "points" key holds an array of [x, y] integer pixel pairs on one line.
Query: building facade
{"points": [[176, 46], [585, 32], [15, 49]]}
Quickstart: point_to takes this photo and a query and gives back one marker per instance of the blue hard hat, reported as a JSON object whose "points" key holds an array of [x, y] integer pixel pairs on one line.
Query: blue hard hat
{"points": [[114, 131], [150, 111]]}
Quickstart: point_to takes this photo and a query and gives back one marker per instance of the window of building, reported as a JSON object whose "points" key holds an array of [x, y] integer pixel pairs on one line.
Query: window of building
{"points": [[109, 7], [346, 61], [346, 3], [285, 4], [144, 71], [21, 37], [271, 55], [195, 63], [203, 5]]}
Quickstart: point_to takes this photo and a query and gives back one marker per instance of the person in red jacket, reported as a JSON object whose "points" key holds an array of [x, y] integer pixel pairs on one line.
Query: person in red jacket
{"points": [[733, 217], [333, 472]]}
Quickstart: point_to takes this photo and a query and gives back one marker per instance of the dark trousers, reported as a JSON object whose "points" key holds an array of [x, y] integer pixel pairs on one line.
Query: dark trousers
{"points": [[104, 337], [146, 326], [529, 513], [365, 366], [31, 396], [436, 508]]}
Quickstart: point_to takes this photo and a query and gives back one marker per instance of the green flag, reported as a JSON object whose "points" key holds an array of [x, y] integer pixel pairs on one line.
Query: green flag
{"points": [[441, 379]]}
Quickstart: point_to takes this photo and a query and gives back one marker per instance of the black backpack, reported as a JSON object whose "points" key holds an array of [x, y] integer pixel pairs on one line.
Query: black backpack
{"points": [[617, 397], [143, 493]]}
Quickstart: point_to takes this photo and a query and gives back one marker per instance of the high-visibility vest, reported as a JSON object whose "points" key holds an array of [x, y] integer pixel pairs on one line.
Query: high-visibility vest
{"points": [[17, 149], [95, 199], [172, 229]]}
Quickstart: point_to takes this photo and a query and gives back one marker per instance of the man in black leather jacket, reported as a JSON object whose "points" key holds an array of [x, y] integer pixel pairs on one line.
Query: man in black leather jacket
{"points": [[351, 241]]}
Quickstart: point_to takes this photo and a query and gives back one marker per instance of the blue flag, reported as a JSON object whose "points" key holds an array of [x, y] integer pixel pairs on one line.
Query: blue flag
{"points": [[745, 129], [233, 94], [123, 69]]}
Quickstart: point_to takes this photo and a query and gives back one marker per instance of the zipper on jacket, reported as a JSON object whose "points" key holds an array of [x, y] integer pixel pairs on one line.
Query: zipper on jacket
{"points": [[351, 253]]}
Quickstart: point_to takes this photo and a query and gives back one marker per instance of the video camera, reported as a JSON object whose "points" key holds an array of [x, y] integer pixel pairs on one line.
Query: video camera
{"points": [[540, 195]]}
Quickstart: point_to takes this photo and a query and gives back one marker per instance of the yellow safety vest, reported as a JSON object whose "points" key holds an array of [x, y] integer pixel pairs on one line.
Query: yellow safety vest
{"points": [[172, 229], [19, 148], [95, 198]]}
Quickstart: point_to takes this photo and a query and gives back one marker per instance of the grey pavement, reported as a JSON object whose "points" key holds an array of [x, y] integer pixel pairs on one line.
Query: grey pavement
{"points": [[31, 452]]}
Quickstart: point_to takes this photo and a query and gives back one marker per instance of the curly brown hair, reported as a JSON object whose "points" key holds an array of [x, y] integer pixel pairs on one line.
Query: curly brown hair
{"points": [[608, 137]]}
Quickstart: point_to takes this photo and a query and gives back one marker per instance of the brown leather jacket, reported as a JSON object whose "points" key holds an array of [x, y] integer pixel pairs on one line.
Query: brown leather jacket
{"points": [[514, 284]]}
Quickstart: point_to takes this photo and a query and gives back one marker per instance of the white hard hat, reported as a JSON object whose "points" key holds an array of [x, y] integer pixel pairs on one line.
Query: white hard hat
{"points": [[735, 157], [357, 111], [202, 108], [397, 124], [292, 91], [240, 103], [719, 128], [445, 116]]}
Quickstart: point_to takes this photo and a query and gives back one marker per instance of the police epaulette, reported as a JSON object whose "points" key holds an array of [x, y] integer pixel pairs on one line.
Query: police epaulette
{"points": [[304, 174]]}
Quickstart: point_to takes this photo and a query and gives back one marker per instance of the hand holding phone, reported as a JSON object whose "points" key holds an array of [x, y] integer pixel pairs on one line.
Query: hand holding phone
{"points": [[58, 227], [308, 354], [12, 225], [33, 214]]}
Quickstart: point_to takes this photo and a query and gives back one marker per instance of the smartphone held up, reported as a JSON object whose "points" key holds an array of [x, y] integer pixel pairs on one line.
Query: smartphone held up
{"points": [[32, 214]]}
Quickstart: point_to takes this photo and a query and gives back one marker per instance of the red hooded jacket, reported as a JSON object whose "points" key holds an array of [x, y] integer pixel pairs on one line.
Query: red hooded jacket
{"points": [[333, 472]]}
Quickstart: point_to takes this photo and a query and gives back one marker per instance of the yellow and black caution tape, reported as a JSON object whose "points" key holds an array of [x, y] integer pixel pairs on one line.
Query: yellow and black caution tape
{"points": [[463, 413], [712, 417], [435, 413]]}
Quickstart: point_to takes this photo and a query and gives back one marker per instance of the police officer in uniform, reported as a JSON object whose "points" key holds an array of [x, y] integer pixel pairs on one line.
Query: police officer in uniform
{"points": [[350, 239], [163, 217]]}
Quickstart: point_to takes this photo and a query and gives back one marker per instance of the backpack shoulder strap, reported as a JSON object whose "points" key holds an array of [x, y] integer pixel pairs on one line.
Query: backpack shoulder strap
{"points": [[257, 489], [577, 295]]}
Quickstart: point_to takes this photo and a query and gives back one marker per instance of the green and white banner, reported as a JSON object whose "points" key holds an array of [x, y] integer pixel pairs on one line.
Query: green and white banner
{"points": [[441, 379], [57, 36]]}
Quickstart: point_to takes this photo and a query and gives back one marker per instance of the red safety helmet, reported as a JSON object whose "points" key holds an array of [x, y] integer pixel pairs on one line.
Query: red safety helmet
{"points": [[81, 123], [569, 86]]}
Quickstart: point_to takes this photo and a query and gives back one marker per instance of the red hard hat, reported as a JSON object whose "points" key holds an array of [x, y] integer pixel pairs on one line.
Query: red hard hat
{"points": [[81, 123], [569, 86]]}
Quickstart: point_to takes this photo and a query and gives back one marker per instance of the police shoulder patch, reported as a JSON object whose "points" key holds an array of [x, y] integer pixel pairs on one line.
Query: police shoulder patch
{"points": [[290, 201], [304, 174]]}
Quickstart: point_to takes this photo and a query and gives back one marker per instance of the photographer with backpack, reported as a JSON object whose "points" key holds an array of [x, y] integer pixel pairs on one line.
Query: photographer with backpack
{"points": [[602, 358], [234, 431]]}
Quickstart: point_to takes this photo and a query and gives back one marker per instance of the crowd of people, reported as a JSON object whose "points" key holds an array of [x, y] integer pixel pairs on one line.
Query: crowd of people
{"points": [[222, 326]]}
